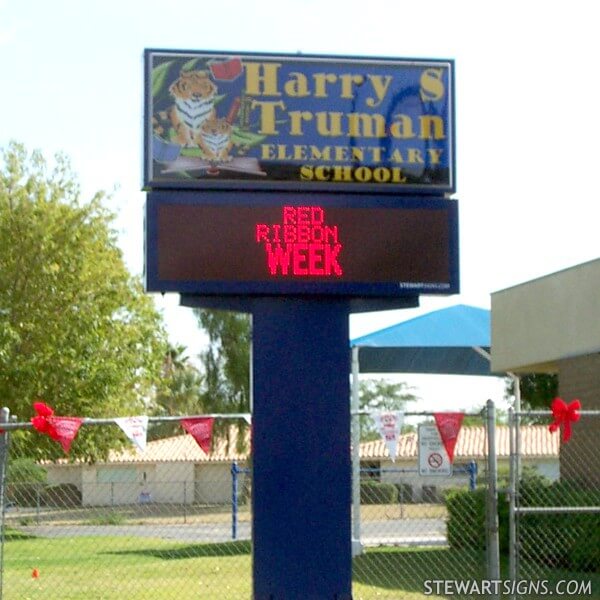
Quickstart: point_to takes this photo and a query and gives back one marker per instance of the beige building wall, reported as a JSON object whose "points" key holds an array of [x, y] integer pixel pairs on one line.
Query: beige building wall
{"points": [[113, 485], [390, 473], [552, 324], [64, 474], [580, 378], [213, 483], [538, 323], [173, 483], [163, 483]]}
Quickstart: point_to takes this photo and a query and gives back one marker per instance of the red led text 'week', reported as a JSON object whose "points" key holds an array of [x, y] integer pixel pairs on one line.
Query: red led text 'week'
{"points": [[302, 244]]}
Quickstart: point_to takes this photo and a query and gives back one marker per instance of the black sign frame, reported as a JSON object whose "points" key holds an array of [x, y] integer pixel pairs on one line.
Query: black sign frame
{"points": [[377, 170], [189, 236]]}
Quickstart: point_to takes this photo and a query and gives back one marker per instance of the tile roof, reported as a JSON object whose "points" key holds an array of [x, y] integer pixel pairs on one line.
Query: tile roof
{"points": [[536, 442], [182, 448]]}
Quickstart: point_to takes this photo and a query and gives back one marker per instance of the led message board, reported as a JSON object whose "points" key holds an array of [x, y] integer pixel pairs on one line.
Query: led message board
{"points": [[300, 244], [289, 122]]}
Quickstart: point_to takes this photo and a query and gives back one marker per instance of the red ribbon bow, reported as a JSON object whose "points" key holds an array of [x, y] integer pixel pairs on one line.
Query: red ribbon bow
{"points": [[42, 421], [564, 414], [61, 429]]}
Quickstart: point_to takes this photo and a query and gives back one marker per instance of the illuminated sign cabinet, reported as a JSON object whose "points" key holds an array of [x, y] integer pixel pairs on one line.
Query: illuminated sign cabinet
{"points": [[299, 175], [219, 246], [215, 120]]}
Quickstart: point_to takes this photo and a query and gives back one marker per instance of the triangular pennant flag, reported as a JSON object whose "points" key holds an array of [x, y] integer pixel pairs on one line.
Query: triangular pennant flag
{"points": [[136, 429], [65, 430], [200, 428], [389, 425], [448, 425], [61, 429]]}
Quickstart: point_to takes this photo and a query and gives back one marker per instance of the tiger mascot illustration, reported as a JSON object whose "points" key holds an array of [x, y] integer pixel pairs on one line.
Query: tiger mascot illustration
{"points": [[194, 95], [215, 139]]}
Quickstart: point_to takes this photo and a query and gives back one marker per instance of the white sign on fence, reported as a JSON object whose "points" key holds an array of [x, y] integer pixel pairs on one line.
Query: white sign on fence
{"points": [[433, 458]]}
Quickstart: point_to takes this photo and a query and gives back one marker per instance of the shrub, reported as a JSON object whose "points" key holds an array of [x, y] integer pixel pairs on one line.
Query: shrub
{"points": [[25, 480], [430, 494], [25, 470], [375, 492], [569, 541], [24, 494], [405, 493], [110, 518], [63, 495], [466, 518], [561, 540]]}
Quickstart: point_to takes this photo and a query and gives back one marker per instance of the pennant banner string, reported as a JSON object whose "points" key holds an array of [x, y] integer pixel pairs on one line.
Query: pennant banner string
{"points": [[201, 430], [61, 429], [449, 425], [389, 425], [136, 429]]}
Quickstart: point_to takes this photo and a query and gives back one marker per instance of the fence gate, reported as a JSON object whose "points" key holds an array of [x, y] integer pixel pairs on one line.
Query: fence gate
{"points": [[415, 533], [554, 512]]}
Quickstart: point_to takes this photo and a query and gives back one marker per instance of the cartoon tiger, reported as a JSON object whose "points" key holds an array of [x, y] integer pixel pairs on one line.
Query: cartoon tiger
{"points": [[215, 139], [194, 94]]}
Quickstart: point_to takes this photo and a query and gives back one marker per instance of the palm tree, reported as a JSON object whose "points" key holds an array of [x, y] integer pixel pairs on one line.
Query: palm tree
{"points": [[180, 393], [175, 359]]}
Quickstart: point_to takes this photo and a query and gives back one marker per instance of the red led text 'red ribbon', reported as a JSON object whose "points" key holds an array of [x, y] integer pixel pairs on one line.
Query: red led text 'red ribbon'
{"points": [[564, 414]]}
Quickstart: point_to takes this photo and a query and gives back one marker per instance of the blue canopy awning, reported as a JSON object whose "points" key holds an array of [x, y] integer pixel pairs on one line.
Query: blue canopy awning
{"points": [[454, 340]]}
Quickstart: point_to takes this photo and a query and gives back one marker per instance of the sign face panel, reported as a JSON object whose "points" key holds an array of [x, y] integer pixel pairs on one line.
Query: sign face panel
{"points": [[433, 458], [269, 244], [298, 122]]}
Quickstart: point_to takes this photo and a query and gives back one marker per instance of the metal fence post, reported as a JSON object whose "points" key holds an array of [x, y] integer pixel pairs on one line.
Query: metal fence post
{"points": [[512, 497], [38, 501], [355, 419], [472, 467], [234, 500], [493, 550], [4, 417], [184, 501]]}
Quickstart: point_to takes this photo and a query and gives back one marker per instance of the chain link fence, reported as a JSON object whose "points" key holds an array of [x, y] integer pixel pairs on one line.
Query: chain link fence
{"points": [[173, 522], [415, 525], [552, 530], [169, 522]]}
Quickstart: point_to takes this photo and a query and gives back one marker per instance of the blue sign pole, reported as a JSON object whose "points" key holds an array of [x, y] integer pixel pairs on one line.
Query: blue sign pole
{"points": [[301, 450]]}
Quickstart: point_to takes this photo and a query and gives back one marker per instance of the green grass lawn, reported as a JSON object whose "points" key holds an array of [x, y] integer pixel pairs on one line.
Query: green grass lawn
{"points": [[121, 567], [134, 568]]}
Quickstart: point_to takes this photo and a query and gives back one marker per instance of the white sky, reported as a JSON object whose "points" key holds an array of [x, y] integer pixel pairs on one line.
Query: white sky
{"points": [[526, 117]]}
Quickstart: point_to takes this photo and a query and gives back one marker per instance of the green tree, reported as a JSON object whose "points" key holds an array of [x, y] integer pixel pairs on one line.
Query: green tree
{"points": [[178, 394], [226, 366], [175, 359], [537, 390], [76, 329], [381, 395]]}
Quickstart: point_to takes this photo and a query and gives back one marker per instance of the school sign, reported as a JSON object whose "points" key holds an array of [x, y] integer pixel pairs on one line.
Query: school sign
{"points": [[299, 188], [298, 122]]}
